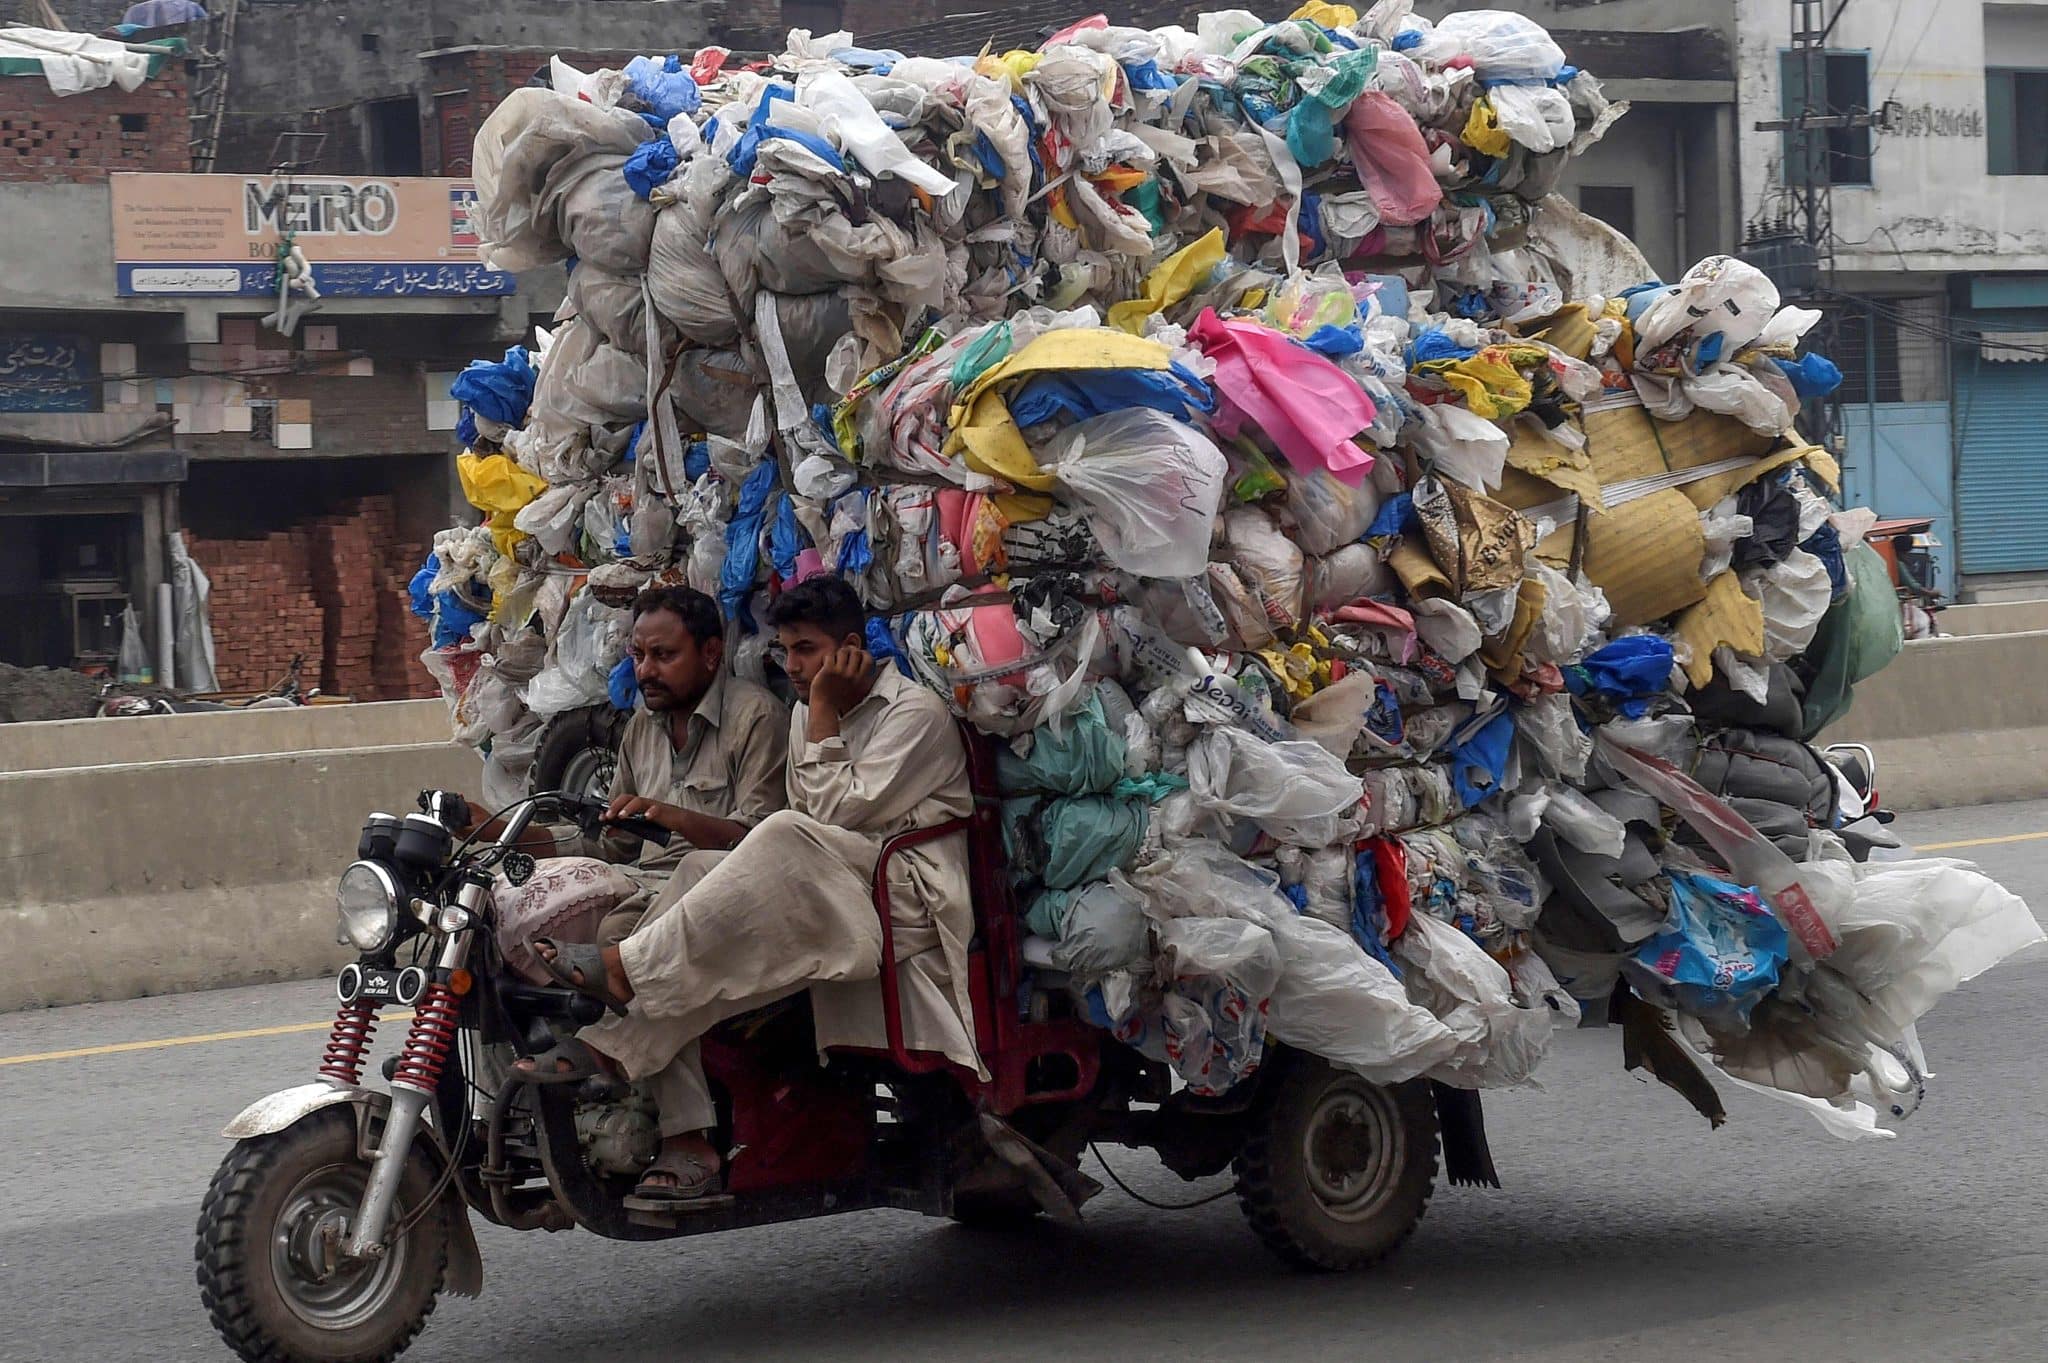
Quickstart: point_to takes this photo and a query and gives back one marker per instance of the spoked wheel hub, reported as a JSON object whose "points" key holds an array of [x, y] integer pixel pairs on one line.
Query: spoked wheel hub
{"points": [[316, 1281]]}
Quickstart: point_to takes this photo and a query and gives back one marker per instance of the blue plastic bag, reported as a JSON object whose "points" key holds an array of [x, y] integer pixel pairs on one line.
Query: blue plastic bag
{"points": [[624, 686], [664, 87], [1719, 954], [417, 590], [1811, 376], [651, 165], [500, 390], [1178, 392], [1479, 759], [743, 543], [1627, 673]]}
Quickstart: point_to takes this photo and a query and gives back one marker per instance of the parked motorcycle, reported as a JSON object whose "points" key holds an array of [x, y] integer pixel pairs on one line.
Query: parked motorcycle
{"points": [[342, 1212], [1866, 823], [119, 700]]}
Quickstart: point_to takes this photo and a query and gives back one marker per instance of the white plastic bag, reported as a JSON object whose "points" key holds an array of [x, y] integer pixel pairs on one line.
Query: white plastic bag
{"points": [[1335, 1001], [1538, 117], [1104, 929], [1914, 930], [853, 122], [1562, 747], [1296, 791], [1201, 878], [1720, 294], [587, 646], [1353, 572], [1148, 485], [1795, 594], [1502, 46], [1269, 562], [1329, 513], [1323, 875], [1465, 445], [1499, 1043], [1334, 715], [1582, 823]]}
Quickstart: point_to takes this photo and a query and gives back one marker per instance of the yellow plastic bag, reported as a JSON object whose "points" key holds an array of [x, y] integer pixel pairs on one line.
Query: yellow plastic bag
{"points": [[1491, 381], [1483, 132], [983, 430], [1328, 15], [1170, 281], [492, 482]]}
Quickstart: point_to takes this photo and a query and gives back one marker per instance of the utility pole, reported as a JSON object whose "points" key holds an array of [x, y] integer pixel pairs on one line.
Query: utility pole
{"points": [[1809, 180]]}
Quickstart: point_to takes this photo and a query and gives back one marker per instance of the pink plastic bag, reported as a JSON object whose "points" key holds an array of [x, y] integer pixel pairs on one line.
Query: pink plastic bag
{"points": [[1308, 406], [1392, 162]]}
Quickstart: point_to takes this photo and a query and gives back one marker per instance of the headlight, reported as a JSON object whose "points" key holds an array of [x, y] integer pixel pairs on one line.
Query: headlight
{"points": [[367, 900]]}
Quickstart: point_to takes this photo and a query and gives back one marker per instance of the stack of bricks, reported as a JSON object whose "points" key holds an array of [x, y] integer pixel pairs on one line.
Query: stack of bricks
{"points": [[333, 589], [263, 609], [399, 636], [345, 582]]}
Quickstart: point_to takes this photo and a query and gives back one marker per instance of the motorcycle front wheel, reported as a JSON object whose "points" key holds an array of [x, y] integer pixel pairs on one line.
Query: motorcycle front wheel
{"points": [[271, 1272]]}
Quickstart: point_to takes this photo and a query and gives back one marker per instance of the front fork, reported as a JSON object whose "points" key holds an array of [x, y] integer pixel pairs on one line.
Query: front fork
{"points": [[417, 1077]]}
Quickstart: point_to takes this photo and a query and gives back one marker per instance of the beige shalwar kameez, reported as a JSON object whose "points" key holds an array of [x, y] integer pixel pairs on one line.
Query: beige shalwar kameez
{"points": [[792, 907]]}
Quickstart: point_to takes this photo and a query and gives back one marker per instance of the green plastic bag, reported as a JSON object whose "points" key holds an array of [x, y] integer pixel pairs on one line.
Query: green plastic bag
{"points": [[1087, 759], [1858, 636], [1088, 836]]}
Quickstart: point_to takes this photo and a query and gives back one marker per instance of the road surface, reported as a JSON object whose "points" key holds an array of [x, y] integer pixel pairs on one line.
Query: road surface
{"points": [[1628, 1230]]}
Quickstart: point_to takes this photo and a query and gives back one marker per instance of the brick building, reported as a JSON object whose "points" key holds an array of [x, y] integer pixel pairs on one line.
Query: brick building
{"points": [[85, 137]]}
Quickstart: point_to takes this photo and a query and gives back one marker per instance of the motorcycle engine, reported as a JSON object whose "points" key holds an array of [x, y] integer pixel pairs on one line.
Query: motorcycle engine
{"points": [[619, 1138]]}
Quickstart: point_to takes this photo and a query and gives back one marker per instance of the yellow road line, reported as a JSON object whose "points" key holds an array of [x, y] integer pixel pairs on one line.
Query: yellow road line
{"points": [[200, 1040], [1978, 842]]}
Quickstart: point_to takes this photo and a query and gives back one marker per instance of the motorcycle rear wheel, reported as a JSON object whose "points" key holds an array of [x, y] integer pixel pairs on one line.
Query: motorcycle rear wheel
{"points": [[268, 1273], [1338, 1171]]}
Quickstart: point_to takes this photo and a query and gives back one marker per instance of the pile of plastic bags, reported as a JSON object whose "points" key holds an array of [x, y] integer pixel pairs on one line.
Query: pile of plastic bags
{"points": [[1400, 649]]}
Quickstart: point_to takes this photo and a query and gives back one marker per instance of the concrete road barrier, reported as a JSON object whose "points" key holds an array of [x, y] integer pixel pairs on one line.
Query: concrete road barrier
{"points": [[1957, 721], [1994, 617], [167, 738], [150, 877]]}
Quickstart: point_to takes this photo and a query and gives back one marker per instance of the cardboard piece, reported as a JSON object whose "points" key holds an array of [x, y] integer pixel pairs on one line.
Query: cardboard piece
{"points": [[1725, 615], [1560, 468], [1645, 554]]}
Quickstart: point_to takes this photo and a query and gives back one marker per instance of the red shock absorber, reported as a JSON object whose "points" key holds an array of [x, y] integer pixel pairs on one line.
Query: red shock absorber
{"points": [[342, 1061], [431, 1038]]}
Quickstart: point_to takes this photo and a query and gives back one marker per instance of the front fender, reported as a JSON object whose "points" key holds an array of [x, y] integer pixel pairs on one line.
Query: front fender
{"points": [[267, 1116]]}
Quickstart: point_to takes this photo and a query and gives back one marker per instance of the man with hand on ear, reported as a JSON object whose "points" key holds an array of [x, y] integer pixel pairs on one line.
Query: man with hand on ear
{"points": [[871, 755]]}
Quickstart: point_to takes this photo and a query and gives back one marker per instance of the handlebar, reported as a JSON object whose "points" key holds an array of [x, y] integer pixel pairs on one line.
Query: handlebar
{"points": [[588, 813]]}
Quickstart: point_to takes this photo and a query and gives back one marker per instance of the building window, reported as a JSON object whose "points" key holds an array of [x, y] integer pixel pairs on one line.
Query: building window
{"points": [[2016, 121], [134, 123], [394, 136], [1889, 350], [1614, 205], [1838, 156], [819, 16]]}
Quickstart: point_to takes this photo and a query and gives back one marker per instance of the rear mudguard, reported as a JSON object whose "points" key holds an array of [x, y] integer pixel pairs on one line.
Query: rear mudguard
{"points": [[288, 1107]]}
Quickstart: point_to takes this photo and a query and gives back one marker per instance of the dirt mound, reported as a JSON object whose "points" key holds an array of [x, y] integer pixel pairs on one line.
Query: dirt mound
{"points": [[45, 693]]}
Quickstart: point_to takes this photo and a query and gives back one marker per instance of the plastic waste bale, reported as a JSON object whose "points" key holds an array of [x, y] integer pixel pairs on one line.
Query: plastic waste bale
{"points": [[1361, 558]]}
